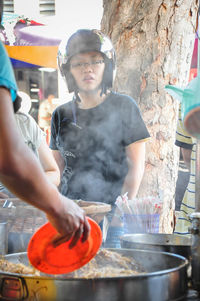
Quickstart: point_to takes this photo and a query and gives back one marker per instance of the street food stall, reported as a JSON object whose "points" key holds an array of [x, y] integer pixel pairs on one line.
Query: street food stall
{"points": [[113, 274], [127, 273]]}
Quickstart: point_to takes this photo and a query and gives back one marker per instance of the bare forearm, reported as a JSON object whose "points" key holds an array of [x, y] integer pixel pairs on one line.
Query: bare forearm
{"points": [[59, 160], [33, 178], [132, 182], [18, 164], [136, 164], [21, 172], [67, 217], [49, 165], [53, 177]]}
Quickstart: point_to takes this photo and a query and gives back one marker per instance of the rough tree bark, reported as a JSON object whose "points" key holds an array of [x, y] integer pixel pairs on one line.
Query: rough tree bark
{"points": [[154, 42]]}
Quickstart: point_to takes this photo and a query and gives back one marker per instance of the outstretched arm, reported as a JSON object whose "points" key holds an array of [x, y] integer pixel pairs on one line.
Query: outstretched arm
{"points": [[22, 174]]}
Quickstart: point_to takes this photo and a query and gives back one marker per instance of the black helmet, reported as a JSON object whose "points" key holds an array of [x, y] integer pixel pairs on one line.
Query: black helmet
{"points": [[86, 40]]}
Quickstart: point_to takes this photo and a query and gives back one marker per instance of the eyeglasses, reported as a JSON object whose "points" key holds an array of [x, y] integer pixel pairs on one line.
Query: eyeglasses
{"points": [[82, 66]]}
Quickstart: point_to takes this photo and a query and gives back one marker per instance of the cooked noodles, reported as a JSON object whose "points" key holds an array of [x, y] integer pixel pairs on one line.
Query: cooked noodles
{"points": [[109, 264], [105, 264], [18, 268]]}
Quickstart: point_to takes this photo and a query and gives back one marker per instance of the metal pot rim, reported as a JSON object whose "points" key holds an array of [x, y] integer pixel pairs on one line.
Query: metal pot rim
{"points": [[149, 239], [183, 263]]}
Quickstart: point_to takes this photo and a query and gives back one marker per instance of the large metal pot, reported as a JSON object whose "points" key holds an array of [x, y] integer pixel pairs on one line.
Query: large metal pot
{"points": [[165, 279], [158, 242], [18, 242]]}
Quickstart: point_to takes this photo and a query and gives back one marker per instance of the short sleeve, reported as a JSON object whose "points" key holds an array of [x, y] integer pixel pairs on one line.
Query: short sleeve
{"points": [[134, 128], [183, 139], [30, 131], [7, 78], [37, 134]]}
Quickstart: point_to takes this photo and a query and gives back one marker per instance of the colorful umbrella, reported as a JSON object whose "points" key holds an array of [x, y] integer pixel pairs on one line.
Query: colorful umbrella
{"points": [[29, 43], [33, 56]]}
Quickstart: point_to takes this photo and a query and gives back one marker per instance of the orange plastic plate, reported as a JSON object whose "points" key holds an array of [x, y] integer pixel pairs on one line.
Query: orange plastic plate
{"points": [[61, 260]]}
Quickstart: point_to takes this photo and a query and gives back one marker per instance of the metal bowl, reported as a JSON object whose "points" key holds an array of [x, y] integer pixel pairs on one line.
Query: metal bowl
{"points": [[171, 243], [165, 280]]}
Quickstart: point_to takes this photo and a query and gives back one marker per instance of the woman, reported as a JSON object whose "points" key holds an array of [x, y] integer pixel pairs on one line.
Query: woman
{"points": [[98, 138], [35, 139]]}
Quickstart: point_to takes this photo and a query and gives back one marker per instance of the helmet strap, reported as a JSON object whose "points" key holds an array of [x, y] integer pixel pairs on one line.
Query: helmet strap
{"points": [[76, 96], [103, 89]]}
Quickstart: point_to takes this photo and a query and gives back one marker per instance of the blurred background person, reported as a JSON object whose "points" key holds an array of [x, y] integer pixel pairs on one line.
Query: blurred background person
{"points": [[35, 139], [45, 111], [187, 145]]}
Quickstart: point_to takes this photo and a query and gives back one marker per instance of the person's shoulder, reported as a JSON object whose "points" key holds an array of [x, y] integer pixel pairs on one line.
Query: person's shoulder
{"points": [[123, 98], [21, 116], [26, 123], [3, 51], [7, 78], [63, 107], [25, 118], [62, 110]]}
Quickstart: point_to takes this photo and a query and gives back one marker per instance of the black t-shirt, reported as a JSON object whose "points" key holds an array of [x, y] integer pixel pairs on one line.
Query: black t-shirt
{"points": [[92, 143]]}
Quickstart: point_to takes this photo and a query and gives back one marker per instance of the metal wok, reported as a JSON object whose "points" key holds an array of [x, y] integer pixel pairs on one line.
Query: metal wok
{"points": [[165, 279], [158, 242]]}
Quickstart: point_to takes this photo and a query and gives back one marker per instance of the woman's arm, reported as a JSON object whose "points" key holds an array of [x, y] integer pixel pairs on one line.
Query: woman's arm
{"points": [[186, 156], [135, 153], [20, 171], [22, 174], [48, 162], [59, 160]]}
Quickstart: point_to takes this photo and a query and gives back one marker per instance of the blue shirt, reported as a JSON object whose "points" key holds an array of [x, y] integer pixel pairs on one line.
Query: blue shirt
{"points": [[7, 77]]}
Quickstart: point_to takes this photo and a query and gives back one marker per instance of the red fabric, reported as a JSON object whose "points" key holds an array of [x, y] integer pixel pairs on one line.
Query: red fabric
{"points": [[24, 21], [195, 54]]}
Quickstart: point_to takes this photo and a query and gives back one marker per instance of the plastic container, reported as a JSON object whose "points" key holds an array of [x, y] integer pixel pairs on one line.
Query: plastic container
{"points": [[113, 237], [141, 223]]}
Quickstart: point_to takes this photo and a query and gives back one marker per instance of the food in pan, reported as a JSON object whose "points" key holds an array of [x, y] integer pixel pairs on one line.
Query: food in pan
{"points": [[18, 268], [105, 264], [109, 264]]}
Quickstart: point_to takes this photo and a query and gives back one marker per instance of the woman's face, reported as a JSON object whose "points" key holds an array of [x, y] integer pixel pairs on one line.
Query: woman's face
{"points": [[88, 69]]}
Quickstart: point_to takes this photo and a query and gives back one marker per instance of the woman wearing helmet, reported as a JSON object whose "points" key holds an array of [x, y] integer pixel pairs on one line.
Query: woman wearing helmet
{"points": [[98, 138]]}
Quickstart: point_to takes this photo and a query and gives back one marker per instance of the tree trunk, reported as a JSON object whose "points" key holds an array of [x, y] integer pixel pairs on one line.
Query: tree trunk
{"points": [[154, 41]]}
